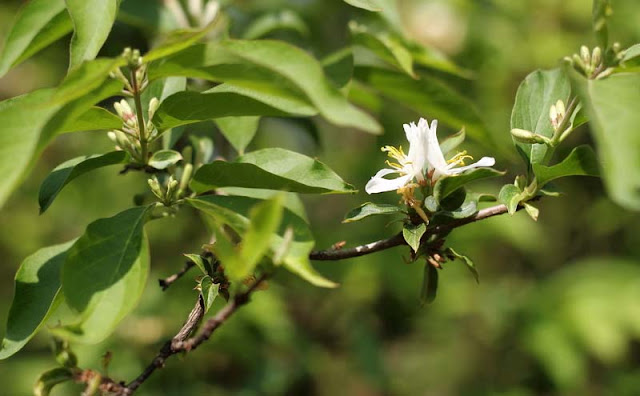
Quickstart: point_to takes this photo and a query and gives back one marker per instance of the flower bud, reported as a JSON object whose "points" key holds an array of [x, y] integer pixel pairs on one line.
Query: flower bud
{"points": [[154, 103], [155, 187], [596, 56], [524, 136], [112, 136], [585, 55], [560, 108]]}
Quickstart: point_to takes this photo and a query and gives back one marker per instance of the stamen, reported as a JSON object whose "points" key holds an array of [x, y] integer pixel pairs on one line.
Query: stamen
{"points": [[459, 158]]}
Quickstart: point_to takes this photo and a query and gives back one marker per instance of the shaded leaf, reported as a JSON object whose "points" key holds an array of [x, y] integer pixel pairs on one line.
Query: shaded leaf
{"points": [[412, 234], [468, 262], [208, 291], [200, 262], [51, 378], [448, 184], [510, 196], [371, 209], [64, 173], [178, 40], [37, 283], [601, 11], [92, 21], [274, 21], [104, 274], [291, 200], [275, 169], [96, 118], [239, 131], [369, 5], [163, 159], [338, 66], [534, 98], [385, 45], [38, 24], [451, 142], [615, 132], [580, 162], [429, 284]]}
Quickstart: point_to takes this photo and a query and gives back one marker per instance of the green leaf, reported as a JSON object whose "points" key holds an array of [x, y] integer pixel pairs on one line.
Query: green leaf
{"points": [[470, 266], [532, 211], [96, 118], [178, 40], [600, 13], [162, 89], [448, 184], [369, 5], [338, 66], [534, 98], [275, 169], [384, 44], [188, 107], [615, 132], [51, 378], [467, 209], [432, 58], [291, 200], [36, 289], [371, 209], [209, 291], [427, 95], [105, 273], [92, 21], [85, 78], [630, 54], [274, 21], [580, 162], [510, 196], [163, 159], [38, 24], [64, 173], [234, 212], [412, 234], [257, 66], [200, 262], [239, 131], [429, 284], [451, 142]]}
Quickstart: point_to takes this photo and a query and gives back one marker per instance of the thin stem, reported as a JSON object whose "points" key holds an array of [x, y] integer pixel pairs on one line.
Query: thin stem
{"points": [[141, 124]]}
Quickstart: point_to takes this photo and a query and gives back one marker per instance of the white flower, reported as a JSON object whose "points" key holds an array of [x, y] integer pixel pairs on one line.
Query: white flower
{"points": [[425, 157]]}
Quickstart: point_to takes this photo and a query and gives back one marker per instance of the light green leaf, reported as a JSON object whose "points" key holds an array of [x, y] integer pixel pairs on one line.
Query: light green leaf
{"points": [[51, 378], [291, 200], [467, 209], [429, 284], [371, 209], [36, 289], [234, 212], [369, 5], [510, 196], [412, 234], [209, 291], [85, 78], [601, 11], [162, 89], [430, 96], [163, 159], [631, 53], [92, 21], [531, 210], [275, 169], [615, 132], [450, 143], [468, 262], [580, 162], [178, 40], [64, 173], [96, 118], [432, 58], [200, 262], [239, 131], [275, 21], [105, 273], [38, 24], [534, 98], [448, 184], [257, 66], [384, 44]]}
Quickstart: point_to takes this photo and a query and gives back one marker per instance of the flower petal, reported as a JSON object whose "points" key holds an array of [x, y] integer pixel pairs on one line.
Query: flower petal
{"points": [[483, 162], [434, 153], [378, 184]]}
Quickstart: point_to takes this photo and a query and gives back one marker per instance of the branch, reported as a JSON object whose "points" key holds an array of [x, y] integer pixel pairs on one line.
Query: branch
{"points": [[398, 240], [168, 281]]}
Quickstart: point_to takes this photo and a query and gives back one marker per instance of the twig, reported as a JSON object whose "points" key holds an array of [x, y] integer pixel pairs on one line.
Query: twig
{"points": [[398, 240], [168, 281]]}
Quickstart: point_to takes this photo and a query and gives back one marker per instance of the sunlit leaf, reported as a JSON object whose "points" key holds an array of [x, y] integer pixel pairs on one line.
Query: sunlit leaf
{"points": [[412, 234], [163, 159], [446, 185], [276, 21], [580, 162], [92, 21], [209, 291], [384, 44], [371, 209]]}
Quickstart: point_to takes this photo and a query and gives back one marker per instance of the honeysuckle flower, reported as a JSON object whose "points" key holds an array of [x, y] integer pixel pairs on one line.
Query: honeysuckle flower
{"points": [[424, 160]]}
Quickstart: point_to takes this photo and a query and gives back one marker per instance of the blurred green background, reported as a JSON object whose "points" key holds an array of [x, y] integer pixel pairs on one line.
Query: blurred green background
{"points": [[557, 311]]}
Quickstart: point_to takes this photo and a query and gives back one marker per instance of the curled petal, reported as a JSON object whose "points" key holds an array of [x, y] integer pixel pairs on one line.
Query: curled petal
{"points": [[483, 162], [378, 184]]}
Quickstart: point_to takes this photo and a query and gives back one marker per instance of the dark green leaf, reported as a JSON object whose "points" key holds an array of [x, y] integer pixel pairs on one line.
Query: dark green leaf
{"points": [[536, 94], [105, 273], [384, 44], [234, 212], [338, 66], [615, 132], [200, 262], [64, 173], [427, 96], [257, 66], [580, 162], [51, 378], [369, 5], [275, 169], [38, 24], [162, 89], [92, 21], [510, 196], [239, 131], [36, 295], [467, 209], [208, 291], [448, 184], [371, 209], [275, 21], [164, 158], [412, 234], [432, 58], [472, 268], [429, 284]]}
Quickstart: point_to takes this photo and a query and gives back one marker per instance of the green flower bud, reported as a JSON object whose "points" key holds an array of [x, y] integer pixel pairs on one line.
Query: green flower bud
{"points": [[524, 136], [585, 55], [596, 56]]}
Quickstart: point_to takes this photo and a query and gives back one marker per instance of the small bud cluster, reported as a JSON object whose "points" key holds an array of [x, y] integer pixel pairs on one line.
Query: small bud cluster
{"points": [[130, 137], [591, 63], [167, 193], [557, 114]]}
